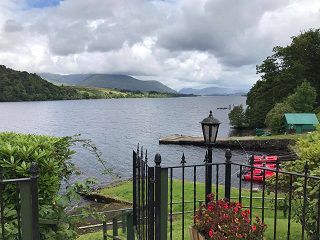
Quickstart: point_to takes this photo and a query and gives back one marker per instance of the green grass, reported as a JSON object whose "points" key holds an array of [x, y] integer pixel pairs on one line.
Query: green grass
{"points": [[281, 136], [123, 191], [98, 236]]}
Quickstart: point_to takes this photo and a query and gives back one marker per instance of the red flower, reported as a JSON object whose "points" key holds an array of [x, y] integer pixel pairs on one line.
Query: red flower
{"points": [[210, 197], [223, 220], [210, 232]]}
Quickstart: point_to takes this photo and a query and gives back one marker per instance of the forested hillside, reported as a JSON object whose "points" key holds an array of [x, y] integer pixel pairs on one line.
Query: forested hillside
{"points": [[23, 86], [282, 73]]}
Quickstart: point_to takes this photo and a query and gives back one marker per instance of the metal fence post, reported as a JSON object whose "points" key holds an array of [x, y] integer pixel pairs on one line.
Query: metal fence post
{"points": [[29, 206], [129, 222], [227, 185], [208, 177], [104, 230], [34, 170], [150, 203], [2, 204], [115, 227], [134, 187], [161, 203]]}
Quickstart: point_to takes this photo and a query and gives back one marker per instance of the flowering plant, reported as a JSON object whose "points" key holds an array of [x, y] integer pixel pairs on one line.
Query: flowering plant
{"points": [[224, 220]]}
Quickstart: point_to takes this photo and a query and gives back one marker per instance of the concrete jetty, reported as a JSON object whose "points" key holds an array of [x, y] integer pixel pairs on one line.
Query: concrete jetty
{"points": [[249, 143]]}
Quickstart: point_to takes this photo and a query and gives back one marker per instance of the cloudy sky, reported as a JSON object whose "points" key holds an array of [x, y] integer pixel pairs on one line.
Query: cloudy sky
{"points": [[182, 43]]}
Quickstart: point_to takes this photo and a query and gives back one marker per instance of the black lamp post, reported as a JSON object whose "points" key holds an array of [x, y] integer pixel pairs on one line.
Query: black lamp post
{"points": [[210, 126]]}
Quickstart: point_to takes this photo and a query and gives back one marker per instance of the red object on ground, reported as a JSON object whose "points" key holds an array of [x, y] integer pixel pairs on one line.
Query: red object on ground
{"points": [[265, 159], [261, 161], [258, 175]]}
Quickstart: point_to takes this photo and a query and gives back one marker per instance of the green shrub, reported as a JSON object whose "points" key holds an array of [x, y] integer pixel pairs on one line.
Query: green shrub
{"points": [[274, 118], [53, 157], [308, 150], [238, 118]]}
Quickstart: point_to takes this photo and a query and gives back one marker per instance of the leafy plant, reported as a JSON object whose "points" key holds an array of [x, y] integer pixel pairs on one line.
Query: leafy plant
{"points": [[238, 118], [222, 220], [274, 118], [53, 158], [308, 151]]}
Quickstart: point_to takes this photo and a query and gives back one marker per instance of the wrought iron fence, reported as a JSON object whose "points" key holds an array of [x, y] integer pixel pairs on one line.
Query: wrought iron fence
{"points": [[157, 213], [19, 206], [113, 221]]}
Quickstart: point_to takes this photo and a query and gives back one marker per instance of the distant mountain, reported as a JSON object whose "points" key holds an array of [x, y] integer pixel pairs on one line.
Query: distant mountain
{"points": [[212, 91], [24, 86], [116, 81]]}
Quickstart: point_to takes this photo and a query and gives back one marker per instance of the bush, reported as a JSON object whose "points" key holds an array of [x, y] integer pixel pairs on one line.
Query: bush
{"points": [[227, 220], [308, 151], [238, 118], [53, 157], [301, 101], [274, 119]]}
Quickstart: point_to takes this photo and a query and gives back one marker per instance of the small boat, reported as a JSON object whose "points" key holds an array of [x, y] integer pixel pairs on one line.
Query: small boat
{"points": [[260, 161], [267, 165], [265, 158], [257, 176]]}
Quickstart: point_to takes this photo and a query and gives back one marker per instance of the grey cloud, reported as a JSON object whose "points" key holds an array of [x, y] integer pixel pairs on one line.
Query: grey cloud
{"points": [[180, 42], [12, 26], [225, 28]]}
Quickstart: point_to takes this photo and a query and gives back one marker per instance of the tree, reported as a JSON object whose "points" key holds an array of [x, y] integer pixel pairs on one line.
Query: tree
{"points": [[282, 72], [304, 98], [238, 118], [274, 118]]}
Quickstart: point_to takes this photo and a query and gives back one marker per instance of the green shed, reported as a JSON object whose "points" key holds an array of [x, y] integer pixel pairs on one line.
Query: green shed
{"points": [[300, 122]]}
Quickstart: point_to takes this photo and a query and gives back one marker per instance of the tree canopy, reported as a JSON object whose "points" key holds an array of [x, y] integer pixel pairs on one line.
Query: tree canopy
{"points": [[24, 86], [302, 100], [238, 118], [282, 72]]}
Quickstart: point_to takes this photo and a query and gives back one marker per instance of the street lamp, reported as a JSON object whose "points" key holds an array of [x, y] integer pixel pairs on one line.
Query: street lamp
{"points": [[210, 127]]}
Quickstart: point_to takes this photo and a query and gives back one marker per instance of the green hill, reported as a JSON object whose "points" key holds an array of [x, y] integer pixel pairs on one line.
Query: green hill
{"points": [[114, 81], [24, 86]]}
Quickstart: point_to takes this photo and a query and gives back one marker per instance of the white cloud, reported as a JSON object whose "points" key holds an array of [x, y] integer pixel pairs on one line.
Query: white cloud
{"points": [[183, 43]]}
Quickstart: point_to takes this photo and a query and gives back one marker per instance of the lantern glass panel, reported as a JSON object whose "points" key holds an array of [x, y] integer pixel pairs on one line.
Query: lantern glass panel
{"points": [[206, 136]]}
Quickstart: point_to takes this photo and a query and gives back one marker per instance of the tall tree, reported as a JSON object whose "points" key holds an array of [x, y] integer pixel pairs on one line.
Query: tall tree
{"points": [[238, 118], [282, 72], [304, 98]]}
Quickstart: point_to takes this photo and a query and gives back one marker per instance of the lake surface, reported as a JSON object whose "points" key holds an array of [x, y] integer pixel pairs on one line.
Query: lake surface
{"points": [[116, 126]]}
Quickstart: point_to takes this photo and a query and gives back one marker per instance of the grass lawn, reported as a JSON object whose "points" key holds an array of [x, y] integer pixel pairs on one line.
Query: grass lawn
{"points": [[281, 136], [123, 191]]}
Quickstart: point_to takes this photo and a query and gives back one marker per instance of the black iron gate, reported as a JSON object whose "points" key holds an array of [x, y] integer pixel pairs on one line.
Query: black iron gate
{"points": [[154, 189], [150, 197]]}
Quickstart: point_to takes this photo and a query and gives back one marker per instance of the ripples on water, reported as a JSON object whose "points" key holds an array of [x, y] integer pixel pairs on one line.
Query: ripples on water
{"points": [[117, 125]]}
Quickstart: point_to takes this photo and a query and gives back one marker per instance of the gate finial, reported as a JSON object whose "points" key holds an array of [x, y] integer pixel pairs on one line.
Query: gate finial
{"points": [[157, 159], [228, 155], [206, 157], [183, 160]]}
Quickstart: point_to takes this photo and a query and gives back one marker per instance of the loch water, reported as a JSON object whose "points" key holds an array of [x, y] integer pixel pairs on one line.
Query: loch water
{"points": [[116, 126]]}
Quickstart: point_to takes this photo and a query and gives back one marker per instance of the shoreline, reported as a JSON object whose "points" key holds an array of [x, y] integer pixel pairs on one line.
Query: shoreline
{"points": [[249, 143]]}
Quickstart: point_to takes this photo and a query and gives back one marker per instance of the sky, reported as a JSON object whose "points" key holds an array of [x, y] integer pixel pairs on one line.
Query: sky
{"points": [[182, 43]]}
